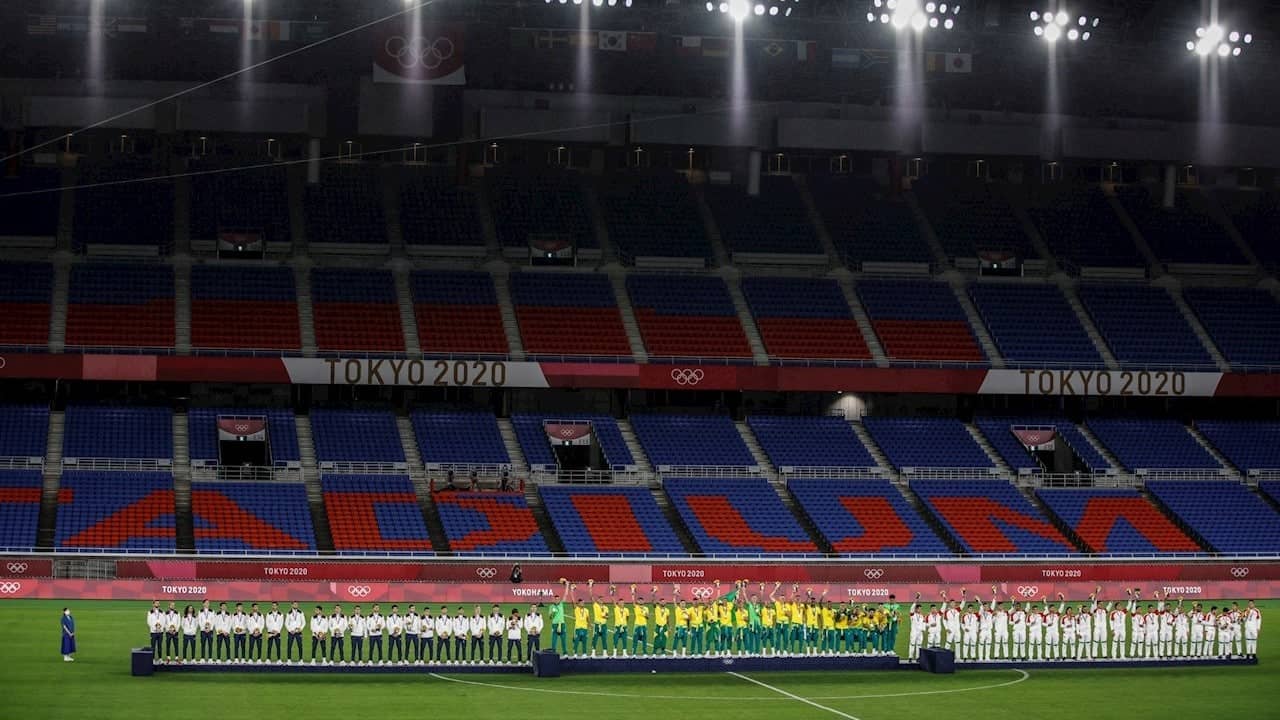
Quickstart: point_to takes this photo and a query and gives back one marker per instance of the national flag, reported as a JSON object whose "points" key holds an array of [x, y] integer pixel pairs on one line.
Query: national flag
{"points": [[42, 24], [642, 41], [131, 25], [859, 58], [959, 63], [688, 45], [935, 62], [583, 38], [806, 50], [611, 40], [224, 26], [715, 47], [551, 39], [773, 48]]}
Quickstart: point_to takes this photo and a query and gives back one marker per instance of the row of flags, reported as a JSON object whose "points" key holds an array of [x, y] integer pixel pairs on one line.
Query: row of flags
{"points": [[871, 58], [111, 26], [108, 25]]}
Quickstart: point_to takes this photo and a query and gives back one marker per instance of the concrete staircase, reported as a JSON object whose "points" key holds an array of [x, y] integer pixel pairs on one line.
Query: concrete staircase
{"points": [[815, 219], [58, 309], [409, 441], [1033, 233], [548, 528], [926, 231], [1086, 321], [502, 286], [633, 444], [51, 477], [719, 251], [675, 521], [306, 318], [311, 476], [1149, 257], [618, 279], [608, 252], [430, 514], [294, 188], [845, 280], [182, 216], [932, 520], [488, 227], [987, 448], [1070, 534], [1209, 203], [1102, 449], [67, 209], [182, 306], [759, 355], [975, 321], [802, 517], [1190, 316], [1231, 470], [882, 460], [757, 452], [408, 321], [519, 463], [184, 521], [390, 184]]}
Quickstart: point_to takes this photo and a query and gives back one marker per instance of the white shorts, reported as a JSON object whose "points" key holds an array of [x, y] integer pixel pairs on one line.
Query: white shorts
{"points": [[1051, 638], [917, 638]]}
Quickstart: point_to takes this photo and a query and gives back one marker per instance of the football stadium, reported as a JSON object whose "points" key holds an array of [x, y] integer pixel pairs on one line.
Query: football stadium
{"points": [[778, 359]]}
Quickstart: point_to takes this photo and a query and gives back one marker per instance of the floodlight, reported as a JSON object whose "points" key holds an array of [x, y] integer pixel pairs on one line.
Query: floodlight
{"points": [[1061, 18], [948, 23], [1035, 16], [1052, 33]]}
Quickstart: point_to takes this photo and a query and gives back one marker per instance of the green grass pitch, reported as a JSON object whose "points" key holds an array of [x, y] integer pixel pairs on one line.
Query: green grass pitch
{"points": [[37, 684]]}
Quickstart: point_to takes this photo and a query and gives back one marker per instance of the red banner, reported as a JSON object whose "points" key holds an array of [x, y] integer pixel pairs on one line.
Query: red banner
{"points": [[26, 567], [405, 52]]}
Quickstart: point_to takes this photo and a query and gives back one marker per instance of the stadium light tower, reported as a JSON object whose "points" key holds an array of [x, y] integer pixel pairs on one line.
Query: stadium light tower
{"points": [[1052, 26], [918, 15], [1214, 39]]}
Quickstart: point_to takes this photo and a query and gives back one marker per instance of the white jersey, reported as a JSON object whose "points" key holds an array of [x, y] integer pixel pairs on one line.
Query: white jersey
{"points": [[1252, 622], [189, 623], [986, 622], [1181, 625], [477, 626], [294, 621], [1019, 617], [427, 626], [395, 625], [319, 625], [155, 621], [460, 626], [1084, 626], [1099, 621], [1052, 622], [338, 625], [412, 624], [1000, 618], [951, 619], [1035, 623], [496, 625], [1119, 622], [239, 623], [513, 628], [257, 623], [533, 623], [171, 621], [222, 623], [374, 625], [358, 626], [917, 624], [204, 619], [275, 623]]}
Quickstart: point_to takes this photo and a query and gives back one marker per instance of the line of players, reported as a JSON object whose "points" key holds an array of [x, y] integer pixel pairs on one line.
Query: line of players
{"points": [[983, 631]]}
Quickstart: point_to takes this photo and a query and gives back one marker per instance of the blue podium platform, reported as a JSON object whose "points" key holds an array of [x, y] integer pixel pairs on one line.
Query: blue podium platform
{"points": [[350, 669]]}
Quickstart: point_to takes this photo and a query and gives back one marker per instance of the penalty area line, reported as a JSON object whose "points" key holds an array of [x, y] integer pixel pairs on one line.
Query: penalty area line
{"points": [[793, 696]]}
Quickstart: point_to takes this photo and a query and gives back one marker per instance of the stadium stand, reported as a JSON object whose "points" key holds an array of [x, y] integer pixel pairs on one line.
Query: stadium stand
{"points": [[742, 516], [999, 432], [374, 513], [596, 519], [355, 309], [919, 321], [1181, 234], [457, 312], [26, 295], [687, 316], [773, 222], [991, 516], [489, 523], [135, 433], [1244, 323], [537, 449], [115, 305], [804, 318], [435, 210], [1226, 515], [691, 440], [865, 517], [1271, 488], [864, 225], [571, 314], [912, 442], [345, 207], [118, 510], [809, 442], [459, 438], [1152, 444], [244, 307], [539, 205], [652, 214], [359, 436], [1251, 445], [24, 431], [1081, 228], [1033, 324], [19, 508], [1256, 216], [262, 517], [1116, 520], [1143, 326], [250, 201], [202, 433], [971, 217], [34, 214], [119, 215]]}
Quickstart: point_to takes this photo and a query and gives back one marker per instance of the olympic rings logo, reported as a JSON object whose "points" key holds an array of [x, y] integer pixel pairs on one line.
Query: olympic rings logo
{"points": [[487, 573], [873, 573], [1028, 591], [567, 431], [9, 588], [359, 590], [1240, 572], [688, 376], [242, 427], [17, 568], [703, 593], [417, 52]]}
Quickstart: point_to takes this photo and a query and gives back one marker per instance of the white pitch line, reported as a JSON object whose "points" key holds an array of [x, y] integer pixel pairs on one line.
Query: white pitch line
{"points": [[1023, 676], [797, 698]]}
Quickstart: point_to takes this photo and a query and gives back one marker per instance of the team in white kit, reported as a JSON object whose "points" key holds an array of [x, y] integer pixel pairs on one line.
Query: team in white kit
{"points": [[978, 630]]}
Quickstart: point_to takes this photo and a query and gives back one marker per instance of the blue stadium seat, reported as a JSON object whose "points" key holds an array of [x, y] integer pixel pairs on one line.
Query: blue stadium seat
{"points": [[608, 520], [532, 436], [435, 210], [19, 508], [202, 433], [259, 517], [345, 207], [244, 201], [919, 320], [736, 516], [573, 314], [26, 296], [374, 513], [991, 517], [32, 211], [129, 511], [24, 431], [866, 517], [865, 224], [1251, 445], [118, 305], [774, 222], [701, 440], [356, 436], [971, 217], [1143, 326], [653, 214], [112, 210], [687, 316], [910, 442], [142, 433], [1156, 443], [529, 204], [1244, 323], [459, 438], [1081, 228], [1033, 324], [1184, 233], [999, 432], [1229, 516], [489, 523], [804, 318], [356, 309], [457, 312], [809, 441], [1116, 521]]}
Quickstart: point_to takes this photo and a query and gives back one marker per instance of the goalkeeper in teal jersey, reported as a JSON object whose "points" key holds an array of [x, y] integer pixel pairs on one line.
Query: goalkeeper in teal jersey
{"points": [[556, 610]]}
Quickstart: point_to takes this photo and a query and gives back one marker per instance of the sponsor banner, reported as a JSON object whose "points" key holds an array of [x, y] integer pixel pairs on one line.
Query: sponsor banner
{"points": [[1166, 572], [414, 373], [468, 593], [25, 567], [1101, 383], [405, 52], [287, 570], [792, 573]]}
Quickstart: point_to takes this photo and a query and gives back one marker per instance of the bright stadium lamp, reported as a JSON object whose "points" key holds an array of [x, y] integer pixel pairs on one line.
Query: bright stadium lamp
{"points": [[1217, 40], [739, 10], [1052, 33]]}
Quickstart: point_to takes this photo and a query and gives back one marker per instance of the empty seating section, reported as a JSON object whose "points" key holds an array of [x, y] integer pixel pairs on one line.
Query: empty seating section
{"points": [[26, 294], [926, 442], [691, 440], [539, 207], [34, 214], [356, 310], [807, 441], [244, 307], [202, 433], [109, 211], [1116, 520], [459, 438], [1081, 228], [999, 432], [374, 513], [112, 305], [477, 522], [595, 519], [1226, 515], [804, 318], [972, 218], [737, 516], [345, 207], [1249, 445], [434, 210], [140, 433], [687, 316], [866, 226], [1152, 444], [116, 510], [864, 517], [1182, 234], [919, 321], [356, 436], [1033, 324], [1256, 215], [568, 314], [251, 202], [773, 222], [1143, 326], [532, 436], [24, 431], [653, 214], [252, 516], [990, 517], [1244, 323], [19, 508], [1271, 488], [457, 312]]}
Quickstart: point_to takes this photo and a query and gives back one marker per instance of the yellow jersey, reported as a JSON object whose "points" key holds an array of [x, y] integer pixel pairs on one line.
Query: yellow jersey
{"points": [[842, 622], [600, 613], [811, 616], [743, 616], [581, 617], [695, 616], [780, 610], [661, 616], [712, 614], [828, 618], [797, 613], [641, 614], [682, 617], [767, 615], [621, 613]]}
